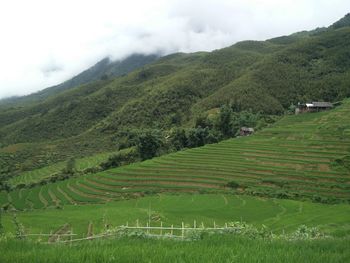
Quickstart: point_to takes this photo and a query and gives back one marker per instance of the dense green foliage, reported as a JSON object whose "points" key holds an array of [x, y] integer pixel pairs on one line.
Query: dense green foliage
{"points": [[120, 159], [148, 145]]}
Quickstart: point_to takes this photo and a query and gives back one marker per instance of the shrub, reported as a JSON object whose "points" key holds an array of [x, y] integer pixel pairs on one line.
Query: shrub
{"points": [[304, 232], [232, 184], [92, 170], [177, 139], [120, 159], [70, 167], [18, 227], [149, 143], [343, 162]]}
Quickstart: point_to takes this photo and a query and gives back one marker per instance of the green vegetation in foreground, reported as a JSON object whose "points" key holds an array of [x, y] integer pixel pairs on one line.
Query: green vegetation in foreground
{"points": [[277, 215], [210, 249]]}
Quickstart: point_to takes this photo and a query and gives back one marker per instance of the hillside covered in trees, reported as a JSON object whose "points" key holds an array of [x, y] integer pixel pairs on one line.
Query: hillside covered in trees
{"points": [[183, 94]]}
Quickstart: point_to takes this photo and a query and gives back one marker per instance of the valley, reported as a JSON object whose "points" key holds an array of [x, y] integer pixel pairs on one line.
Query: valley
{"points": [[185, 157]]}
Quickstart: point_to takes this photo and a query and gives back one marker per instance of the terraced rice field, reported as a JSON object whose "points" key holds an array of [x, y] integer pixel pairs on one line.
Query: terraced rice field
{"points": [[277, 214], [47, 171], [295, 158]]}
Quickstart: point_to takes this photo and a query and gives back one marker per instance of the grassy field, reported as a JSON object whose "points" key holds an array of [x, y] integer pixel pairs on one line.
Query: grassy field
{"points": [[299, 157], [211, 249], [278, 215]]}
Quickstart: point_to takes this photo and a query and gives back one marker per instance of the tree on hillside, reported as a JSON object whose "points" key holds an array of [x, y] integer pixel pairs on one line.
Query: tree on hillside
{"points": [[224, 121], [70, 167], [119, 159], [177, 138], [175, 118], [248, 119], [200, 136], [149, 143], [203, 121]]}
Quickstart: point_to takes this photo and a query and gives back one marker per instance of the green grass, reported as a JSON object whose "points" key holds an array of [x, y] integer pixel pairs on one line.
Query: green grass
{"points": [[279, 215], [210, 249]]}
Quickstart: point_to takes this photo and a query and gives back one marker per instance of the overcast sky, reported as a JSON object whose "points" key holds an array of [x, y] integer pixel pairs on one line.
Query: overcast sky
{"points": [[44, 42]]}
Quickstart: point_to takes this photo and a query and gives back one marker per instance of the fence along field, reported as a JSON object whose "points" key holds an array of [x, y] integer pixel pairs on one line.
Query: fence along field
{"points": [[65, 233], [279, 215], [184, 232], [297, 157]]}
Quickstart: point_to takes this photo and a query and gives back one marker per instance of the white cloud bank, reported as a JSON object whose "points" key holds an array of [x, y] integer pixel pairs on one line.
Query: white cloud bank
{"points": [[44, 42]]}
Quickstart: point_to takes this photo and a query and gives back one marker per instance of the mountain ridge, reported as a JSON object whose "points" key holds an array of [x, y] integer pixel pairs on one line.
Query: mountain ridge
{"points": [[105, 68]]}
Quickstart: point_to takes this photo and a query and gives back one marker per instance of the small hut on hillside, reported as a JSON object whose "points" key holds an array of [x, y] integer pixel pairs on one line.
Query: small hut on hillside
{"points": [[313, 107], [245, 131]]}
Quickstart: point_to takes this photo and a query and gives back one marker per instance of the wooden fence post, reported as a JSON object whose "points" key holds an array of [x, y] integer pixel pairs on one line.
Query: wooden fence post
{"points": [[137, 223], [194, 224], [161, 228], [71, 237], [90, 231], [183, 230], [172, 229]]}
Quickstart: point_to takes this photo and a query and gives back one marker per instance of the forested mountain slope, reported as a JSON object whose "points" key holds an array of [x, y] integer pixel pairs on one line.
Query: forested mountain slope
{"points": [[262, 76]]}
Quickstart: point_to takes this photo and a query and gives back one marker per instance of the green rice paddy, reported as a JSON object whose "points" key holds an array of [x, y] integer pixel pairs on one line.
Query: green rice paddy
{"points": [[277, 214], [295, 158], [45, 172]]}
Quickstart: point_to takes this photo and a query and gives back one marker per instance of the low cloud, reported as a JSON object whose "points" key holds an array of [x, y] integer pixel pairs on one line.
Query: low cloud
{"points": [[46, 42]]}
